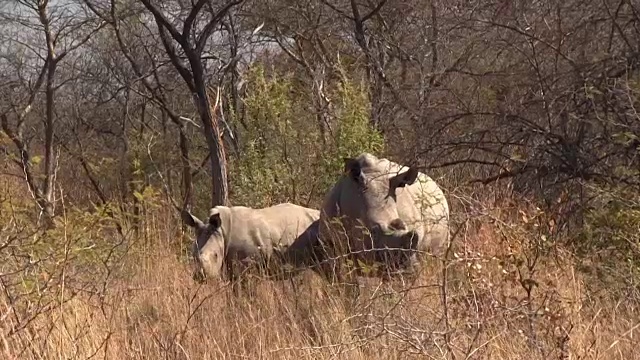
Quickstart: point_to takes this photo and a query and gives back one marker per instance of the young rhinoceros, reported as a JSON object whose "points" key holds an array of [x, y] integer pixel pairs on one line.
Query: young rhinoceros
{"points": [[238, 237]]}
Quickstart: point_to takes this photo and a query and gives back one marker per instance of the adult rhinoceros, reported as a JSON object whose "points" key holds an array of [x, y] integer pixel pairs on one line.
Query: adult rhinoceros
{"points": [[377, 206], [237, 237]]}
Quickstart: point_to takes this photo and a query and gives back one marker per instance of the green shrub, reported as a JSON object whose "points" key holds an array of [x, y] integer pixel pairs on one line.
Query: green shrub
{"points": [[277, 145], [353, 133], [283, 157], [610, 241]]}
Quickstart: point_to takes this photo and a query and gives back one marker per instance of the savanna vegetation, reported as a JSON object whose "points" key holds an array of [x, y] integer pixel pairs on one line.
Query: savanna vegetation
{"points": [[115, 115]]}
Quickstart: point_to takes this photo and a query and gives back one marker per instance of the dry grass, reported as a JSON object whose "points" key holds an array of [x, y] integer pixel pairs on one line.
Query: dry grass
{"points": [[146, 306]]}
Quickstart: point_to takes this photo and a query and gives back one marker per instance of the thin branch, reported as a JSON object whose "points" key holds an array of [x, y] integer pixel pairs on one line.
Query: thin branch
{"points": [[284, 48], [163, 23], [188, 23], [336, 9], [374, 11], [177, 63], [24, 160], [31, 99], [197, 171], [215, 20], [81, 42]]}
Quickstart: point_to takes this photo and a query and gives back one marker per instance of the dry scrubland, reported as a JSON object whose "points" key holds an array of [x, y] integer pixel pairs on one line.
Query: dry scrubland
{"points": [[139, 105], [133, 297]]}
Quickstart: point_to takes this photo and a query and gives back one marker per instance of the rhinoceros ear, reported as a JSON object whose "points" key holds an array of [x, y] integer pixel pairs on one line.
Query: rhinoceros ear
{"points": [[403, 179], [214, 219], [350, 164], [353, 169], [191, 220]]}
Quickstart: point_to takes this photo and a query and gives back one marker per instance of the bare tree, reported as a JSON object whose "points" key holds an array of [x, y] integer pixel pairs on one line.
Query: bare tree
{"points": [[150, 79], [58, 26], [192, 41]]}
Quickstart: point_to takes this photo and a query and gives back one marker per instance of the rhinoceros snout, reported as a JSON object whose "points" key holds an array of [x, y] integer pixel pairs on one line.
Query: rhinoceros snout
{"points": [[400, 240], [397, 225], [199, 276], [410, 240]]}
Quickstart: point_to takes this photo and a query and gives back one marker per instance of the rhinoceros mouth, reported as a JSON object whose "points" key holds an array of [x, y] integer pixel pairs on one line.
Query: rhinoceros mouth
{"points": [[199, 276]]}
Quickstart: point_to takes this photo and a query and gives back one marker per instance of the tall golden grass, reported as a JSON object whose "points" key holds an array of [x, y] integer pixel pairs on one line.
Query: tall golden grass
{"points": [[493, 298]]}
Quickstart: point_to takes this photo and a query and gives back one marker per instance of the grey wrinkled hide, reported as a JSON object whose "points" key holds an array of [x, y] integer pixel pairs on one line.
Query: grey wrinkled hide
{"points": [[236, 237], [300, 254], [383, 204]]}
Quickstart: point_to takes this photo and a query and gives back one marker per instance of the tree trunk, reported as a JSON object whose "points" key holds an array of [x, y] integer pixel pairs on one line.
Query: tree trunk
{"points": [[193, 45], [49, 154], [219, 185]]}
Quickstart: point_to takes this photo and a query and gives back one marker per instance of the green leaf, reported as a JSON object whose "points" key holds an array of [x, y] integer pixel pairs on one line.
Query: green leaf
{"points": [[138, 196], [517, 158], [35, 160]]}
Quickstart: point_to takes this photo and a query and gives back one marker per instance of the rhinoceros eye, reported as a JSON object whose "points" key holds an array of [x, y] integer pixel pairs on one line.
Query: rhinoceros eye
{"points": [[356, 175]]}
